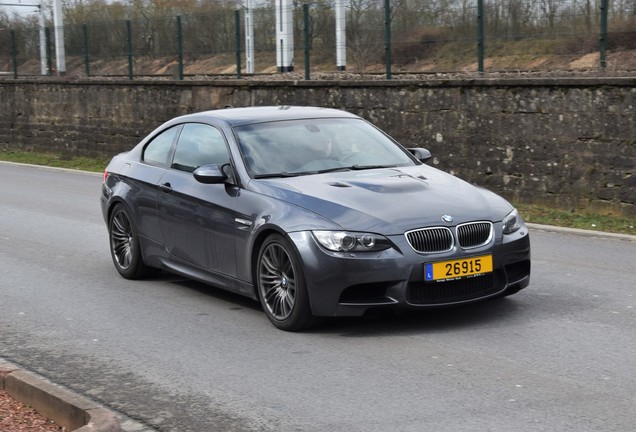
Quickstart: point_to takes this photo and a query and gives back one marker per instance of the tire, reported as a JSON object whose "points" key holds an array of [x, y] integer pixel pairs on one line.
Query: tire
{"points": [[281, 285], [124, 245]]}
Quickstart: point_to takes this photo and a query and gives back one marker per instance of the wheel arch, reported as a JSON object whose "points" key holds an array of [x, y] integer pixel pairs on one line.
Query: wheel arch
{"points": [[299, 315], [259, 239], [111, 206], [115, 201]]}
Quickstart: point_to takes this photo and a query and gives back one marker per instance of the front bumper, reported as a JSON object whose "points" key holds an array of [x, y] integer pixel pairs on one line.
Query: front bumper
{"points": [[349, 284]]}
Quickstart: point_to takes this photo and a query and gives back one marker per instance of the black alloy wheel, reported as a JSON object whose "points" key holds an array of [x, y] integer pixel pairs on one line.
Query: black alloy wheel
{"points": [[281, 285], [124, 244]]}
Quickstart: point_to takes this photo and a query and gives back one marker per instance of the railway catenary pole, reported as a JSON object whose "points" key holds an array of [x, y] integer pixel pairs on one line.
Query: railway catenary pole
{"points": [[341, 35], [58, 23], [249, 37], [284, 36]]}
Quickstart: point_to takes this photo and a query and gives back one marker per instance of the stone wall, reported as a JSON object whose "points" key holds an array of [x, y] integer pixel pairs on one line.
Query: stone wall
{"points": [[569, 143]]}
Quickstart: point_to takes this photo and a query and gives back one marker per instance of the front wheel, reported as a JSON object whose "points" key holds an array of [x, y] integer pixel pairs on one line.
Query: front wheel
{"points": [[281, 285], [124, 244]]}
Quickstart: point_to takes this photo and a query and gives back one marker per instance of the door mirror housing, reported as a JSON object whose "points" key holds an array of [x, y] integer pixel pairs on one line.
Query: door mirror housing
{"points": [[210, 174], [421, 154]]}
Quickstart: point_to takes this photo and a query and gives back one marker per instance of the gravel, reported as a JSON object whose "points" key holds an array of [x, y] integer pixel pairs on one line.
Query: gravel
{"points": [[17, 417]]}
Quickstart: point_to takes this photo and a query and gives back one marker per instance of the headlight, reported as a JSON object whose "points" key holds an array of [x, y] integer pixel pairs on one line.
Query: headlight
{"points": [[512, 222], [343, 241]]}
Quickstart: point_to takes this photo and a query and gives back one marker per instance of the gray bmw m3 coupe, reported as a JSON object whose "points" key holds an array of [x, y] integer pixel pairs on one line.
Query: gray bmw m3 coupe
{"points": [[313, 212]]}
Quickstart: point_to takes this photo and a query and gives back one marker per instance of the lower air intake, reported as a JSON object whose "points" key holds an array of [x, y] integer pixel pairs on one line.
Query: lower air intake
{"points": [[452, 291]]}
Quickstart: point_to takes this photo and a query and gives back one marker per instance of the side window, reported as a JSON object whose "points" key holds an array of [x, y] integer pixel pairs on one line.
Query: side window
{"points": [[157, 152], [198, 145]]}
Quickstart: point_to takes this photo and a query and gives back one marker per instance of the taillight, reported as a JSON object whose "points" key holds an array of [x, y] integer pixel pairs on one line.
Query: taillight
{"points": [[105, 176]]}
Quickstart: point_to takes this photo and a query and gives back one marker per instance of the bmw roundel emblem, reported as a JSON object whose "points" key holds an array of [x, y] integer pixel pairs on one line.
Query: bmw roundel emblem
{"points": [[447, 218]]}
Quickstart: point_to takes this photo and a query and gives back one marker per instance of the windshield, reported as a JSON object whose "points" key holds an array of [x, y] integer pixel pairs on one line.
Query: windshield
{"points": [[301, 147]]}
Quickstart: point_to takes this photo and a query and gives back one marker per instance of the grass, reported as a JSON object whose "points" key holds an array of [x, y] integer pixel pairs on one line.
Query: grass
{"points": [[55, 160], [577, 219], [531, 213]]}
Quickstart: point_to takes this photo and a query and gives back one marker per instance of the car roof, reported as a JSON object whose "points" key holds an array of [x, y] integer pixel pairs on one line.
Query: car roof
{"points": [[249, 115]]}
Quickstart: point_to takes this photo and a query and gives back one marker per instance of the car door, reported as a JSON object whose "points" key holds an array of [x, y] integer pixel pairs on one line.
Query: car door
{"points": [[192, 213], [143, 178]]}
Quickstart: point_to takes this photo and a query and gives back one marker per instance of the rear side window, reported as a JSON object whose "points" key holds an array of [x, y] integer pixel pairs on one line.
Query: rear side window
{"points": [[157, 152], [199, 144]]}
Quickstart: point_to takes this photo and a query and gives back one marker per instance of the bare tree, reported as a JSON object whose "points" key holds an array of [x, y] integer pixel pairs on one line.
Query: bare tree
{"points": [[364, 32]]}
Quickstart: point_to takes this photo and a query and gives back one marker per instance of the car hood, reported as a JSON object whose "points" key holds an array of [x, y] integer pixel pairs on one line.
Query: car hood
{"points": [[388, 201]]}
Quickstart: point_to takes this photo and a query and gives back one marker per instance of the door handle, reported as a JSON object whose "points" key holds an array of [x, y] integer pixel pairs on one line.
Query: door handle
{"points": [[166, 187]]}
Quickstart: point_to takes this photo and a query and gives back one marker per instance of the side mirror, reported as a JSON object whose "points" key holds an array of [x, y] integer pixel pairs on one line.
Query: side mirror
{"points": [[421, 154], [210, 174]]}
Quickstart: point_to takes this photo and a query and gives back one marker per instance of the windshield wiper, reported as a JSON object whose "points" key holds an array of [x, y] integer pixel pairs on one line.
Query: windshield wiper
{"points": [[365, 167], [322, 171], [302, 173], [277, 175], [334, 169]]}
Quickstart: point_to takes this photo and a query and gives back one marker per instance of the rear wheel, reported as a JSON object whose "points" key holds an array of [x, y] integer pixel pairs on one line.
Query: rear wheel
{"points": [[124, 244], [281, 285]]}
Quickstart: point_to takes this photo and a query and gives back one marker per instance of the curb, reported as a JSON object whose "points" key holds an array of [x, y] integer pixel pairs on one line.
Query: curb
{"points": [[67, 409], [581, 232], [51, 168]]}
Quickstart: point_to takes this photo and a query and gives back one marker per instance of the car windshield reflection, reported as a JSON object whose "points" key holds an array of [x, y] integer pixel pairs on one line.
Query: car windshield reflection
{"points": [[316, 146]]}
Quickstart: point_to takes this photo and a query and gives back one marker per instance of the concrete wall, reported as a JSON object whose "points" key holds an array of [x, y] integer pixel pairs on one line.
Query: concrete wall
{"points": [[569, 143]]}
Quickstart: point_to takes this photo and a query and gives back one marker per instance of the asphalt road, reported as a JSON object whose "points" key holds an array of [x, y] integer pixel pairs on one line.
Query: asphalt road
{"points": [[181, 356]]}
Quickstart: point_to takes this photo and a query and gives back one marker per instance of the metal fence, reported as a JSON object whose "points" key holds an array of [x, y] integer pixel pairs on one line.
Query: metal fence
{"points": [[383, 37]]}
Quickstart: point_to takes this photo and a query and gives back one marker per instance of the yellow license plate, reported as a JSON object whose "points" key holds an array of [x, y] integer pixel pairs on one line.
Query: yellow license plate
{"points": [[456, 269]]}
